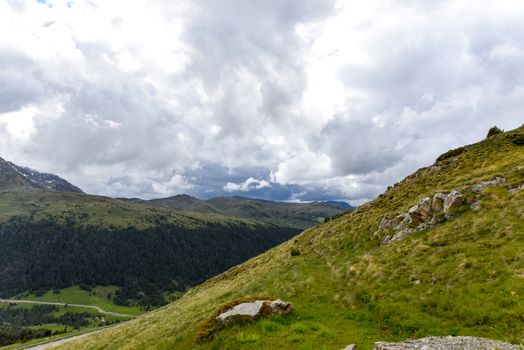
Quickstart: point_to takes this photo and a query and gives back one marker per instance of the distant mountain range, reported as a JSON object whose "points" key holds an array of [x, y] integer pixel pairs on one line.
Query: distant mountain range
{"points": [[297, 215]]}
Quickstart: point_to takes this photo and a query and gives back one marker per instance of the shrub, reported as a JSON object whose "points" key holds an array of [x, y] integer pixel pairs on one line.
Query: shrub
{"points": [[517, 139], [494, 131], [295, 252]]}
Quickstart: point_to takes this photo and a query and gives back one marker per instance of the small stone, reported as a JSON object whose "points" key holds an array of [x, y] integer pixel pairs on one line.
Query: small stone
{"points": [[350, 347]]}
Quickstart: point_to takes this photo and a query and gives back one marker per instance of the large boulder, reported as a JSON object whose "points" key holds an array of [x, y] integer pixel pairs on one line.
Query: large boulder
{"points": [[252, 310], [421, 212], [447, 343]]}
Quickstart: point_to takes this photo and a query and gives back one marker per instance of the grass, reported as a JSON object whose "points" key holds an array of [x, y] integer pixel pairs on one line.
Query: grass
{"points": [[349, 288], [100, 296]]}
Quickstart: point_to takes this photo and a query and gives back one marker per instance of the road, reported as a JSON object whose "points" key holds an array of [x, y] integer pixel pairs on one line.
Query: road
{"points": [[97, 308], [48, 344]]}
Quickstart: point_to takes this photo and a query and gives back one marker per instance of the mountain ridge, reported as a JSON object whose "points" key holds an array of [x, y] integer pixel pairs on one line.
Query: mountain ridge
{"points": [[14, 175], [298, 215]]}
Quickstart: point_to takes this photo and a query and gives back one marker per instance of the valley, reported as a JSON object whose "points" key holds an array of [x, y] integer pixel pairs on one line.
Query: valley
{"points": [[114, 258]]}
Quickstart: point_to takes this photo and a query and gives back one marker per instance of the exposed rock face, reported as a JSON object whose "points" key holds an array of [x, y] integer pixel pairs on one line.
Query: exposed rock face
{"points": [[253, 310], [427, 212], [447, 343], [482, 185]]}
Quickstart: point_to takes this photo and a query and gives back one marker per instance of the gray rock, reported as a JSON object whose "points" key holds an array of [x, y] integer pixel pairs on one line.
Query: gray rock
{"points": [[386, 223], [475, 205], [482, 185], [453, 200], [446, 343], [421, 212], [350, 347], [427, 212], [253, 310], [521, 187], [437, 203], [280, 307]]}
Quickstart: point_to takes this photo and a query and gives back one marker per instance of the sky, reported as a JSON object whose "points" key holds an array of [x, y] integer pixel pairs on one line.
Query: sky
{"points": [[287, 100]]}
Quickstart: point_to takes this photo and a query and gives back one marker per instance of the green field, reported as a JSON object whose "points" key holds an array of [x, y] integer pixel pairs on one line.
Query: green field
{"points": [[462, 277], [95, 319], [100, 296]]}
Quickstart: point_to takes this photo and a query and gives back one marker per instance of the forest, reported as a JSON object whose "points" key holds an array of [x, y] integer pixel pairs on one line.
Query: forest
{"points": [[38, 256]]}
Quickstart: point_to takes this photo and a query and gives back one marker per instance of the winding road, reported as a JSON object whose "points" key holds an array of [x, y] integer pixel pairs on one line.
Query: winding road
{"points": [[97, 308]]}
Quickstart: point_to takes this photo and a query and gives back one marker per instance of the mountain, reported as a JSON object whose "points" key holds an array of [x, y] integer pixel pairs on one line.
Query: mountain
{"points": [[299, 215], [180, 202], [439, 253], [284, 214], [343, 205], [14, 175], [52, 240]]}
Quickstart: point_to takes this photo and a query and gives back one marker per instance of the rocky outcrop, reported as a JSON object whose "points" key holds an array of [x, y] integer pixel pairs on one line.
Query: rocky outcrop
{"points": [[482, 185], [427, 212], [253, 310], [447, 343]]}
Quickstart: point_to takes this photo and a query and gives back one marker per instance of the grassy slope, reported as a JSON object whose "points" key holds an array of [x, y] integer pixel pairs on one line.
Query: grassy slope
{"points": [[348, 288]]}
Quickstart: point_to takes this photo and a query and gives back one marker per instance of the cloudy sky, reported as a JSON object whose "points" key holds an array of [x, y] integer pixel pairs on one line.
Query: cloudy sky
{"points": [[287, 100]]}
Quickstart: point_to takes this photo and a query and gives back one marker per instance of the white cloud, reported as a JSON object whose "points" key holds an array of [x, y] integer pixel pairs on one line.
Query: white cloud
{"points": [[304, 98], [248, 185]]}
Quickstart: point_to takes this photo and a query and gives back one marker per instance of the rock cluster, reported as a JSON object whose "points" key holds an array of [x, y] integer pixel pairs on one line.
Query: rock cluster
{"points": [[447, 343], [427, 212], [482, 185], [253, 310]]}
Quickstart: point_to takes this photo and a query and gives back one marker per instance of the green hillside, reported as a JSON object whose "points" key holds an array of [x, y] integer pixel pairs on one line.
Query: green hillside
{"points": [[462, 276]]}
